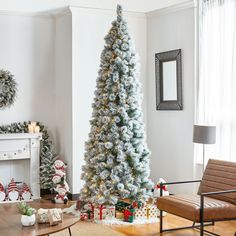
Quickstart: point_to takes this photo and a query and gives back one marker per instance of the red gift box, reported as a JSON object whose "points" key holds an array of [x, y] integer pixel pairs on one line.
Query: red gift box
{"points": [[129, 215], [84, 216]]}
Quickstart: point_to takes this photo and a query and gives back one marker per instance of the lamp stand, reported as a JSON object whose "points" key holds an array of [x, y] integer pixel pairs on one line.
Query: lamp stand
{"points": [[203, 156]]}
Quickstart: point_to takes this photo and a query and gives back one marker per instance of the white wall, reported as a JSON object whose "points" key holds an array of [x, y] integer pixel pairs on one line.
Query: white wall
{"points": [[27, 51], [46, 5], [63, 85], [170, 132], [62, 98]]}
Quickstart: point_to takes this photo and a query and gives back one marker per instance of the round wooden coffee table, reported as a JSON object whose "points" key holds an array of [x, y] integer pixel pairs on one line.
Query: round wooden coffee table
{"points": [[10, 224]]}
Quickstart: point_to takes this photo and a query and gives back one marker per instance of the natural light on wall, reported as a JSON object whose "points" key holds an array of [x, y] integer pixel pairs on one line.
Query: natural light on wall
{"points": [[216, 85]]}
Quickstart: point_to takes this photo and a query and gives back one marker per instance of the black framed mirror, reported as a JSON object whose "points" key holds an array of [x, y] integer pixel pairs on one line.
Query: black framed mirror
{"points": [[168, 70]]}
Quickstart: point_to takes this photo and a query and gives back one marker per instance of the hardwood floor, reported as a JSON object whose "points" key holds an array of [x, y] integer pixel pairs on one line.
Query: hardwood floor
{"points": [[226, 228]]}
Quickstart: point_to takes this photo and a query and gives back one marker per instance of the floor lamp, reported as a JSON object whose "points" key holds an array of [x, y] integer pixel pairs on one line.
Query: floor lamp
{"points": [[204, 134]]}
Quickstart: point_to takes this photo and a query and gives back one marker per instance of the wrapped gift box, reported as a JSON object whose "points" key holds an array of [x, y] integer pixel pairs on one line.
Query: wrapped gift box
{"points": [[55, 216], [42, 216], [90, 215], [110, 212], [129, 215], [104, 212], [121, 205], [153, 211], [99, 212], [86, 215], [141, 213], [147, 212], [119, 215]]}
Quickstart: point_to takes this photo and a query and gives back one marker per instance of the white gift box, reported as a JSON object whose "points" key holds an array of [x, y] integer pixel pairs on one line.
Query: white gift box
{"points": [[104, 212], [146, 212], [110, 212]]}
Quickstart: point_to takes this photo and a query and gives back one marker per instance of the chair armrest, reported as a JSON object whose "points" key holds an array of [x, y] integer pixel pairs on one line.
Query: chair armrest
{"points": [[179, 182], [218, 192]]}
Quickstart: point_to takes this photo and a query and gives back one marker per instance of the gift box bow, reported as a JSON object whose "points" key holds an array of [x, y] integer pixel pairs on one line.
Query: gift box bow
{"points": [[128, 213]]}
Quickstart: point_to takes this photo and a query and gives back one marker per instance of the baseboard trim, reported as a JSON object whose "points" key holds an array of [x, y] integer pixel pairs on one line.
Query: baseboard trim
{"points": [[45, 192], [74, 196]]}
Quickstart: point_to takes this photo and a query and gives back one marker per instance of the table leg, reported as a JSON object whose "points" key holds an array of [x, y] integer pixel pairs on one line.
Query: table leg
{"points": [[69, 231]]}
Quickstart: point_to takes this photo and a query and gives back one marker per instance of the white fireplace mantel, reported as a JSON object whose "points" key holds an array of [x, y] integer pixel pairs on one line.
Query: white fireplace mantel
{"points": [[19, 159], [21, 136]]}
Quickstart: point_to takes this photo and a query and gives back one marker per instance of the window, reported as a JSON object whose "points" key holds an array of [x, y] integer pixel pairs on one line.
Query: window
{"points": [[216, 85]]}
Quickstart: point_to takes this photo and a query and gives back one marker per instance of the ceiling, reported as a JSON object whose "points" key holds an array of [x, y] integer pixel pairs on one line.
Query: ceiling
{"points": [[47, 5]]}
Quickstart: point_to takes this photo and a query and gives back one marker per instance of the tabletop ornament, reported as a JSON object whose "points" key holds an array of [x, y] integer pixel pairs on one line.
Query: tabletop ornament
{"points": [[13, 192], [2, 193]]}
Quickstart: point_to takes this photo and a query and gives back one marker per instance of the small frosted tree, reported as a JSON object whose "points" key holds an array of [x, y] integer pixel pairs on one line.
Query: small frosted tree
{"points": [[116, 156]]}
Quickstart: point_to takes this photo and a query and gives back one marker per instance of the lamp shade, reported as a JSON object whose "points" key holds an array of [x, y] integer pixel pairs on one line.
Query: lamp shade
{"points": [[204, 134]]}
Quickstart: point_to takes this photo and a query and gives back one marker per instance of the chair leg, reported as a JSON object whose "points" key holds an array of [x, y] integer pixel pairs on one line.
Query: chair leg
{"points": [[202, 216], [161, 221], [201, 229], [69, 231]]}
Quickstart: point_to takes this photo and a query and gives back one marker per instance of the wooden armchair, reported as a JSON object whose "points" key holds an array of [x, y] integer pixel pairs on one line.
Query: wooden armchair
{"points": [[215, 200]]}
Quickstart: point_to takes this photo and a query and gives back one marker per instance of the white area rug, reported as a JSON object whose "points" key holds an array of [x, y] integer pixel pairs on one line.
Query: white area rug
{"points": [[121, 222], [113, 221]]}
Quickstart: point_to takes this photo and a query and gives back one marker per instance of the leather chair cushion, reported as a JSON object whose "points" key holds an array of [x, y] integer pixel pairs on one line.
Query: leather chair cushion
{"points": [[188, 207], [219, 176]]}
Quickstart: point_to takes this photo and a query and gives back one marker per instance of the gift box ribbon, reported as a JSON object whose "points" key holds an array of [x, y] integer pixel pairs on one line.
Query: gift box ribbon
{"points": [[148, 212], [90, 214], [100, 209]]}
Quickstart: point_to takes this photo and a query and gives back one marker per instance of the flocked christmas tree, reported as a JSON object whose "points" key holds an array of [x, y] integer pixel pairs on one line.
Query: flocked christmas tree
{"points": [[117, 157]]}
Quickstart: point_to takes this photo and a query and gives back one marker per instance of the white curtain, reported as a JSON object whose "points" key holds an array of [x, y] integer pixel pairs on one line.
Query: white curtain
{"points": [[216, 85]]}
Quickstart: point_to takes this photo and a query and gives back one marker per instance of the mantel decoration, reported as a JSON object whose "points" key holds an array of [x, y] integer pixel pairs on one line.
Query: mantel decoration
{"points": [[117, 156], [47, 154], [8, 88]]}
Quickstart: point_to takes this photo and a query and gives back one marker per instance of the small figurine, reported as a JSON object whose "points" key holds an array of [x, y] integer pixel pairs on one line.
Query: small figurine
{"points": [[156, 192], [2, 193], [59, 181], [59, 167], [61, 196], [26, 193], [13, 192]]}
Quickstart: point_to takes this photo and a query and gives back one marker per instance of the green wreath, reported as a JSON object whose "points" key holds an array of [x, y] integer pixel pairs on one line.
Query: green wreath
{"points": [[7, 89]]}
